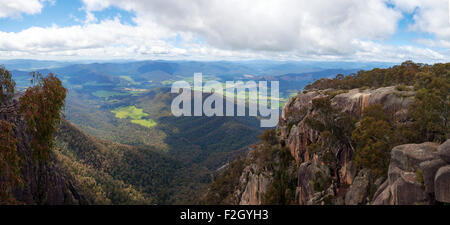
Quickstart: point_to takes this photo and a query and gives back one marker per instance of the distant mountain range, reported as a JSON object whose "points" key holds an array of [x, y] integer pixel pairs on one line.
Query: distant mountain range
{"points": [[111, 76], [255, 67]]}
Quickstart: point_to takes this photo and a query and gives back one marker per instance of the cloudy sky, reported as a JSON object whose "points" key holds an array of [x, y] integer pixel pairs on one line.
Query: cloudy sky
{"points": [[353, 30]]}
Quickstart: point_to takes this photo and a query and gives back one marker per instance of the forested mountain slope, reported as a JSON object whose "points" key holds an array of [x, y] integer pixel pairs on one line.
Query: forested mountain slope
{"points": [[49, 160]]}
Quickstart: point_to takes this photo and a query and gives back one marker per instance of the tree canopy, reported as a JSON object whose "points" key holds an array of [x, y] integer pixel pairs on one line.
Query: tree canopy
{"points": [[41, 105]]}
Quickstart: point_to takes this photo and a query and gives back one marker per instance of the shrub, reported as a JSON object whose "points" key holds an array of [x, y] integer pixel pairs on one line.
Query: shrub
{"points": [[269, 137], [374, 139]]}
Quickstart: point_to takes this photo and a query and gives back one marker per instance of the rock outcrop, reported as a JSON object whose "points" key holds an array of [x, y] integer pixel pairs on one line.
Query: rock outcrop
{"points": [[313, 182], [253, 186], [298, 135], [359, 191], [417, 175]]}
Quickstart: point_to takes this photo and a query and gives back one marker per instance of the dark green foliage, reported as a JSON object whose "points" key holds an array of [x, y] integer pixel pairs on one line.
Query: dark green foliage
{"points": [[322, 182], [374, 139], [282, 189], [375, 111], [122, 174], [402, 74], [430, 111], [314, 148], [209, 141]]}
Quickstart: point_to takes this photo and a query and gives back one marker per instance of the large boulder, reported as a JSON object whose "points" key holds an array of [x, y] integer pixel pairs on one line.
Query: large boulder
{"points": [[442, 184], [408, 157], [444, 151], [428, 171], [418, 174], [407, 190], [359, 190]]}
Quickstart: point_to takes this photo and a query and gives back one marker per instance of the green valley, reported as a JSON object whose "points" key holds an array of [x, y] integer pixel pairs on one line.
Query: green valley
{"points": [[135, 114]]}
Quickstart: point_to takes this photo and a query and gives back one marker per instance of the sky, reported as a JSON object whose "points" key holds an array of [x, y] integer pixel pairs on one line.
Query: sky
{"points": [[320, 30]]}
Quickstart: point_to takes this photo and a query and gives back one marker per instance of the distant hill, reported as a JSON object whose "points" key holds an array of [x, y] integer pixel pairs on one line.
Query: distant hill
{"points": [[29, 64]]}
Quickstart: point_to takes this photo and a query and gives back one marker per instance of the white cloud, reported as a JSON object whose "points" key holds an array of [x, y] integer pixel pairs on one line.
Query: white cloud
{"points": [[379, 52], [14, 8], [271, 25], [107, 37], [430, 16], [234, 29]]}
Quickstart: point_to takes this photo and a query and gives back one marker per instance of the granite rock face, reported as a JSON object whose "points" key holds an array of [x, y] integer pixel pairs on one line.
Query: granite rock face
{"points": [[429, 170], [442, 184], [312, 178], [413, 170], [418, 174], [444, 151], [359, 190], [408, 157], [297, 135], [253, 186]]}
